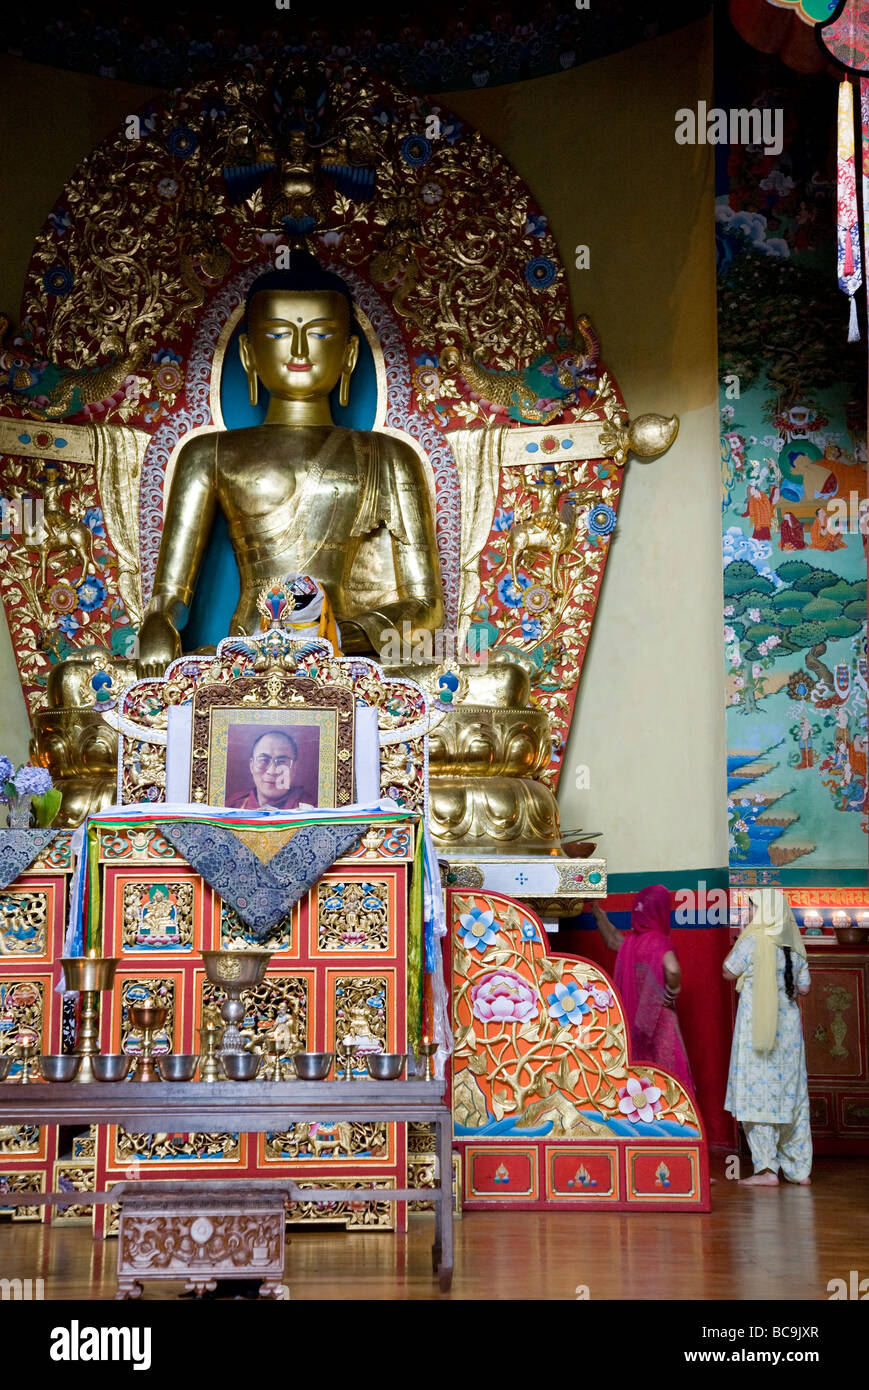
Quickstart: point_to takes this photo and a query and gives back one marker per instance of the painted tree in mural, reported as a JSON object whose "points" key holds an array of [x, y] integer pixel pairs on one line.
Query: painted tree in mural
{"points": [[777, 321]]}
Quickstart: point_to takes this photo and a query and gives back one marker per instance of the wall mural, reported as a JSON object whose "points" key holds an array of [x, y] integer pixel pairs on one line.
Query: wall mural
{"points": [[793, 448]]}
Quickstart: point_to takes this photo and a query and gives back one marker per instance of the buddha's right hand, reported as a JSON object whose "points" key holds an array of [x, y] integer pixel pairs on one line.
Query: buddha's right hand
{"points": [[159, 644]]}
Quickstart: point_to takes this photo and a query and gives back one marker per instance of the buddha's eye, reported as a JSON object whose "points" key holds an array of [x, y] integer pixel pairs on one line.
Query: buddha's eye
{"points": [[279, 334], [321, 335]]}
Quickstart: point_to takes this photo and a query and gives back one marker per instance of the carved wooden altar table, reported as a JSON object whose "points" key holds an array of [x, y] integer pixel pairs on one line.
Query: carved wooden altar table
{"points": [[247, 1107]]}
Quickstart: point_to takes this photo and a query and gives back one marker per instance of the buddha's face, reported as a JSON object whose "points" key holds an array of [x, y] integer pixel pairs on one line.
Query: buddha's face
{"points": [[298, 342]]}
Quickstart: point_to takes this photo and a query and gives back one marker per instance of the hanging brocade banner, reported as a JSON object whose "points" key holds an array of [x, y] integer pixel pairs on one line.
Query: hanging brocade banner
{"points": [[848, 252]]}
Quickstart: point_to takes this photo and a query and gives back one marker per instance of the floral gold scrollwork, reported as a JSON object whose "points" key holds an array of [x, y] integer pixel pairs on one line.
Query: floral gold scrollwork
{"points": [[344, 1211], [19, 1139], [74, 1177], [160, 991], [352, 915], [360, 1020], [21, 1183], [23, 921], [22, 1010]]}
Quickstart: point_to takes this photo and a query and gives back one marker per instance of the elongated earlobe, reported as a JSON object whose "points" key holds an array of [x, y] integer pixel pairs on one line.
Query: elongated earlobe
{"points": [[253, 387], [344, 391]]}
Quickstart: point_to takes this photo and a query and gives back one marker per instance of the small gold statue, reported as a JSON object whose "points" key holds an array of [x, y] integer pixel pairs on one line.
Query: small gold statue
{"points": [[349, 507]]}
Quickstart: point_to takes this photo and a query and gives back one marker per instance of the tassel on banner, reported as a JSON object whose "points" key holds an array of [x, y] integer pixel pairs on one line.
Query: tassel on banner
{"points": [[853, 324]]}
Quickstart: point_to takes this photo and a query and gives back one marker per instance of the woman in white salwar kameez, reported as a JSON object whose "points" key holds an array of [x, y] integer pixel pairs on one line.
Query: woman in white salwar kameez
{"points": [[767, 1088]]}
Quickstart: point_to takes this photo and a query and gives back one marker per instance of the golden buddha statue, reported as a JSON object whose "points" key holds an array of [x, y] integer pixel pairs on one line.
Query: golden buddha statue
{"points": [[300, 494]]}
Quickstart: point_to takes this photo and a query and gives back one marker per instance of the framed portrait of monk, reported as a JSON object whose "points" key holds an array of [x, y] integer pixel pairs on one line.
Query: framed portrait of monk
{"points": [[276, 743]]}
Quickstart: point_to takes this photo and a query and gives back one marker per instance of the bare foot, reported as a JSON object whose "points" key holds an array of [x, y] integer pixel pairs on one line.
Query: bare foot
{"points": [[764, 1179], [798, 1182]]}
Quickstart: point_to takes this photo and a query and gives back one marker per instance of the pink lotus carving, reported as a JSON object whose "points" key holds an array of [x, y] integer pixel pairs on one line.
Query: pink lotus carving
{"points": [[504, 998]]}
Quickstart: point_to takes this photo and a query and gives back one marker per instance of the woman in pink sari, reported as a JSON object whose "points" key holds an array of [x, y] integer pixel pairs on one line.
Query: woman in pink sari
{"points": [[648, 978]]}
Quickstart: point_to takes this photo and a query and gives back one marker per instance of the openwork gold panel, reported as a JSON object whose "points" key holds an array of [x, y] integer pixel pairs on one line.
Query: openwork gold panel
{"points": [[22, 1010], [85, 1145], [135, 991], [334, 1139], [74, 1177], [19, 1139], [22, 1182], [176, 1148], [360, 1021], [233, 930], [23, 921], [158, 916], [353, 1216], [352, 916], [277, 1006]]}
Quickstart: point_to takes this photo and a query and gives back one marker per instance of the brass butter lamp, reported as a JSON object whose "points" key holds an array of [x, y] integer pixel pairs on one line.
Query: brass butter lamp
{"points": [[90, 975]]}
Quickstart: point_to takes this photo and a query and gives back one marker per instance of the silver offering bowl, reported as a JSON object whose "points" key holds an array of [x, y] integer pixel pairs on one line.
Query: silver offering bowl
{"points": [[241, 1066], [6, 1061], [60, 1067], [386, 1066], [313, 1066], [112, 1066], [234, 972], [177, 1066]]}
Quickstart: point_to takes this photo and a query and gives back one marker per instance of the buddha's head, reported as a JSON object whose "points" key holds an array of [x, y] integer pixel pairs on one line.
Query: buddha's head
{"points": [[298, 337]]}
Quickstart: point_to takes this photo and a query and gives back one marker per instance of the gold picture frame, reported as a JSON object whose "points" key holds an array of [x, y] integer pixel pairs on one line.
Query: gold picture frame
{"points": [[305, 732]]}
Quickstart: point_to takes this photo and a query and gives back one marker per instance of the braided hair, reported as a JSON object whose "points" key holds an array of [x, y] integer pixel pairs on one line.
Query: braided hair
{"points": [[789, 973]]}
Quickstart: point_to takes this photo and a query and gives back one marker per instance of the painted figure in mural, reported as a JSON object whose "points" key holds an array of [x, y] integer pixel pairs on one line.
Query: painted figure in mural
{"points": [[350, 507], [792, 536], [648, 978], [805, 741], [760, 509], [767, 1088], [823, 536]]}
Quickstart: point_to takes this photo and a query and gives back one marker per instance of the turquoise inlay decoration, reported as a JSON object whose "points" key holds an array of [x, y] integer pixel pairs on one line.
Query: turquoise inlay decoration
{"points": [[218, 585], [531, 448], [60, 443], [24, 439], [567, 443]]}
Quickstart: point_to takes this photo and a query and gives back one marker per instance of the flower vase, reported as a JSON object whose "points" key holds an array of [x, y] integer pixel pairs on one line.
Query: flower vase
{"points": [[19, 813]]}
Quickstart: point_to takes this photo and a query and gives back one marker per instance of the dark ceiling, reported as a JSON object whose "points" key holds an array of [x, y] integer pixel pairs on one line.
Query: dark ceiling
{"points": [[429, 47]]}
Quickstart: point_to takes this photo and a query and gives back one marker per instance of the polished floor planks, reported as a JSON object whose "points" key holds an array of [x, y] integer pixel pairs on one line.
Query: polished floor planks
{"points": [[756, 1244]]}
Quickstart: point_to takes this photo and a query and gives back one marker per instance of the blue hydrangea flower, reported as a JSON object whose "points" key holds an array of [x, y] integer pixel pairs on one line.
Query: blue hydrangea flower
{"points": [[567, 1004], [32, 781], [532, 628], [6, 769], [540, 272], [601, 519], [91, 593], [509, 593], [415, 150], [503, 519], [478, 928], [58, 280]]}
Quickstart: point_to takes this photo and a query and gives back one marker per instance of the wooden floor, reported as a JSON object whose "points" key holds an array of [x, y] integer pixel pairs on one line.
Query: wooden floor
{"points": [[784, 1243]]}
